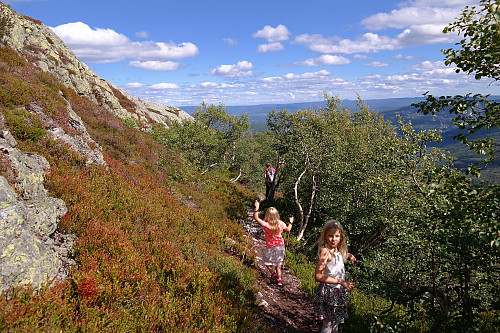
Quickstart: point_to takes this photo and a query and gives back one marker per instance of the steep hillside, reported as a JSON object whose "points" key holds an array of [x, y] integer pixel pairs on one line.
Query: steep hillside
{"points": [[103, 229]]}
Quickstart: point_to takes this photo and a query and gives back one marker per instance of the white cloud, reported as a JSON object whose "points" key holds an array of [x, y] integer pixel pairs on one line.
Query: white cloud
{"points": [[230, 41], [309, 86], [372, 42], [241, 69], [369, 42], [162, 51], [401, 57], [106, 45], [164, 86], [278, 34], [361, 56], [420, 22], [426, 76], [270, 47], [418, 12], [134, 85], [296, 77], [155, 65], [406, 17], [377, 64], [142, 34], [324, 60], [423, 34], [81, 35]]}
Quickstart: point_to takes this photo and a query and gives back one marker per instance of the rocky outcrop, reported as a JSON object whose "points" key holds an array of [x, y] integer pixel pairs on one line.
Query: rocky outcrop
{"points": [[31, 251], [81, 143], [43, 48]]}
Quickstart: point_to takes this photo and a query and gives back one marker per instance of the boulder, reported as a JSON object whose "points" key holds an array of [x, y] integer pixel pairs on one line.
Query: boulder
{"points": [[31, 251]]}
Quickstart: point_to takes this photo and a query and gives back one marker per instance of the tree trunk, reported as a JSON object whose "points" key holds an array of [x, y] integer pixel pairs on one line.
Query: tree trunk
{"points": [[297, 202], [308, 216]]}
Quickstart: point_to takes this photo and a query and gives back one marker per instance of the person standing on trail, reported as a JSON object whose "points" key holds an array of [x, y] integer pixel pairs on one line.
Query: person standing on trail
{"points": [[274, 253], [270, 177], [331, 295]]}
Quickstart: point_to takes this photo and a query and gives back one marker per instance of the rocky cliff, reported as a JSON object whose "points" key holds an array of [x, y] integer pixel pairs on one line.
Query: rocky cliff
{"points": [[31, 249]]}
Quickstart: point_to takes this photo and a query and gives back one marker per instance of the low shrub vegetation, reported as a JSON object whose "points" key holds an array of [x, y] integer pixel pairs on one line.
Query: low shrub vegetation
{"points": [[153, 254]]}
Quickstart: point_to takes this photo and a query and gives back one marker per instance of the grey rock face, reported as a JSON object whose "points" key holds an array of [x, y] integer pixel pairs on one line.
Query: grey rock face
{"points": [[82, 143], [28, 221]]}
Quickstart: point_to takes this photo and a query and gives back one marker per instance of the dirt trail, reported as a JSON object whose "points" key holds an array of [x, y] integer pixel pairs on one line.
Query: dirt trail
{"points": [[288, 308]]}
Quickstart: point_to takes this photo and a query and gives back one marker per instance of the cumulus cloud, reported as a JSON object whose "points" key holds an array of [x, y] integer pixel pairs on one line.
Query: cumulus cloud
{"points": [[425, 76], [278, 34], [324, 60], [106, 45], [241, 69], [420, 22], [309, 86], [156, 65], [270, 47], [418, 12], [369, 42], [406, 17]]}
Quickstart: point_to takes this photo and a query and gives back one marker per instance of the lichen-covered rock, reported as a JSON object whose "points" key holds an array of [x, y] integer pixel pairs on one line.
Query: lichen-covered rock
{"points": [[46, 50], [27, 260], [30, 249], [81, 143]]}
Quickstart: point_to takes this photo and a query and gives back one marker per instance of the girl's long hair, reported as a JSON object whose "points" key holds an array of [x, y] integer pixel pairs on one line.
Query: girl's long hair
{"points": [[273, 218], [342, 247]]}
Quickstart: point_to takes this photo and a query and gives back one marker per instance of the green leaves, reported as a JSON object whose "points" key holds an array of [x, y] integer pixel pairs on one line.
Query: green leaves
{"points": [[210, 140]]}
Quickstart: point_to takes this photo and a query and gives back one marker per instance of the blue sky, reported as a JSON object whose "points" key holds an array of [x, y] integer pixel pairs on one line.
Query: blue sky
{"points": [[257, 52]]}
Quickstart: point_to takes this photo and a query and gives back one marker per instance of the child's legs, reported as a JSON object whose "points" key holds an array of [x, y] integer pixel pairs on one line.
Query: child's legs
{"points": [[271, 269], [278, 271]]}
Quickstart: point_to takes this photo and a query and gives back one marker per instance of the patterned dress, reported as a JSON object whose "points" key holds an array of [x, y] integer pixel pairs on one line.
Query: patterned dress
{"points": [[331, 299]]}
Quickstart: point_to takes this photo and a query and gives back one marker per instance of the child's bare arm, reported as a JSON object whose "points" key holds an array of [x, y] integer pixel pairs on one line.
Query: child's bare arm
{"points": [[288, 228], [256, 213], [320, 276], [352, 258]]}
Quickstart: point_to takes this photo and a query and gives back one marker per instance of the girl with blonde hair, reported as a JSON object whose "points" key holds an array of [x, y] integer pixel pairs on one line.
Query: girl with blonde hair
{"points": [[331, 296], [274, 253]]}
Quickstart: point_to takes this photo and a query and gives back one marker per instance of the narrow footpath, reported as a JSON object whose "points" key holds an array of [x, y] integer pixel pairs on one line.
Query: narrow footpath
{"points": [[288, 308]]}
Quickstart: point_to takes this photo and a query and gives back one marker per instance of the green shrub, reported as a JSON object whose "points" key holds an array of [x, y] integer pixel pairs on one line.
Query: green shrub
{"points": [[24, 125], [237, 281]]}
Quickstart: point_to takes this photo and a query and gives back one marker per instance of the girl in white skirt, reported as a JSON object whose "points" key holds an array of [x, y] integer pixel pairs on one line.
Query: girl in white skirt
{"points": [[274, 253], [331, 295]]}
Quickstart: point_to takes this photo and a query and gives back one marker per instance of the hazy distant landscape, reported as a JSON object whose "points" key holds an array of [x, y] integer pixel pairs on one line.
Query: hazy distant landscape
{"points": [[388, 107]]}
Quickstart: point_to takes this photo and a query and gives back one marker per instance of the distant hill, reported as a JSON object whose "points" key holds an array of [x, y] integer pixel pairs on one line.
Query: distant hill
{"points": [[389, 107]]}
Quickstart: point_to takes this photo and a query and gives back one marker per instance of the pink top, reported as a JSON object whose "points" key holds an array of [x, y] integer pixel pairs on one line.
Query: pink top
{"points": [[272, 241], [265, 171]]}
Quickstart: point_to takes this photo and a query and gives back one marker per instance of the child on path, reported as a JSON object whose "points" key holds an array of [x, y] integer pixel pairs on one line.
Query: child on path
{"points": [[275, 246], [269, 176], [331, 296]]}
